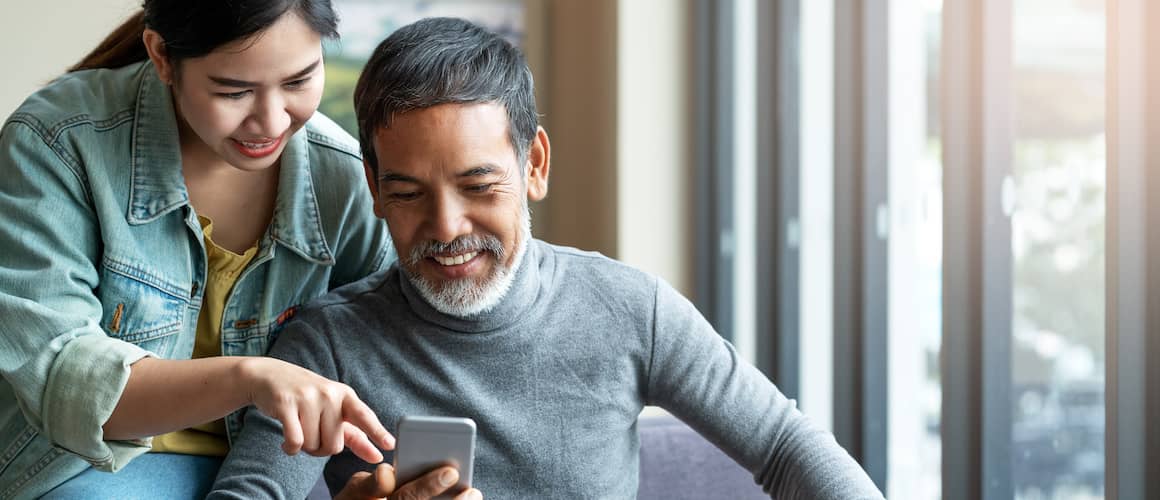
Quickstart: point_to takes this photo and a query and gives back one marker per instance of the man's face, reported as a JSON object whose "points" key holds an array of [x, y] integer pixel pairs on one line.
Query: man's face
{"points": [[450, 188]]}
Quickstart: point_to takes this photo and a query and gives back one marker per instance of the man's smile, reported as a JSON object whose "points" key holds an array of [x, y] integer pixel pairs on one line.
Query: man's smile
{"points": [[458, 266], [455, 259]]}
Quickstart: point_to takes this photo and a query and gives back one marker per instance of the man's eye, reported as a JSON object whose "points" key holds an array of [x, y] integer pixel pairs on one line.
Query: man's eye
{"points": [[410, 195], [234, 95], [479, 188]]}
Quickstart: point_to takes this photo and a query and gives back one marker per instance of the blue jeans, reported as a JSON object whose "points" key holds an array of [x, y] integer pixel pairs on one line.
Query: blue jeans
{"points": [[149, 476]]}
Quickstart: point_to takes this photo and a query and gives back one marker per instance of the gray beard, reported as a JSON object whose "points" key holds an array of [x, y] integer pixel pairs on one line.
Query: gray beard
{"points": [[465, 298]]}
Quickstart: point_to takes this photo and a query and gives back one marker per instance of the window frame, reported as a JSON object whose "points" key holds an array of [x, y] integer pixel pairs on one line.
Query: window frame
{"points": [[1132, 446], [713, 167], [977, 262], [861, 260], [778, 200]]}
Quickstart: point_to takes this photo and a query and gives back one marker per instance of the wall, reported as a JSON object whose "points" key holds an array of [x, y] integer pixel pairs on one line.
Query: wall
{"points": [[43, 41], [653, 139], [580, 117], [617, 111]]}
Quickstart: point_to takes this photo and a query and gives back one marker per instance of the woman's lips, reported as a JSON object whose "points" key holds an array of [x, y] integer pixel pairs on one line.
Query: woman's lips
{"points": [[258, 149]]}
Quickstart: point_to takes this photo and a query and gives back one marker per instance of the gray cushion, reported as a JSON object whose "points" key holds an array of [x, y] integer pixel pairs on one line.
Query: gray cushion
{"points": [[677, 463]]}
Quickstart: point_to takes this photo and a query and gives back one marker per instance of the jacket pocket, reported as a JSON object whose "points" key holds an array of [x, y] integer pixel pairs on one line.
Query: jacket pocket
{"points": [[139, 308]]}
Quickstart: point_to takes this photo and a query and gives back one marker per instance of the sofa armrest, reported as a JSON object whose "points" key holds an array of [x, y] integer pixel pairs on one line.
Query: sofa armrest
{"points": [[677, 463]]}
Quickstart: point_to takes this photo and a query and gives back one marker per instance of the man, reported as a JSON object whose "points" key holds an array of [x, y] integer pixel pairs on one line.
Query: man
{"points": [[552, 351]]}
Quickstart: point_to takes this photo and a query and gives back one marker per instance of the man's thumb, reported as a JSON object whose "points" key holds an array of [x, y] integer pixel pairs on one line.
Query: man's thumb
{"points": [[364, 485]]}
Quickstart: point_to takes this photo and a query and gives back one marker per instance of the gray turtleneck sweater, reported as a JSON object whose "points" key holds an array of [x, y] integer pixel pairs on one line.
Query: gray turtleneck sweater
{"points": [[554, 377]]}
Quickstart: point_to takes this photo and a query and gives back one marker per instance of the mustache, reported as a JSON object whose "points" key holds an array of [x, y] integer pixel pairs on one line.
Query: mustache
{"points": [[463, 244]]}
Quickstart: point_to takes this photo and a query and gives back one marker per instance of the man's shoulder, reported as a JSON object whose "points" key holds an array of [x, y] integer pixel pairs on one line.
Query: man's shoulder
{"points": [[348, 298], [586, 259], [575, 266]]}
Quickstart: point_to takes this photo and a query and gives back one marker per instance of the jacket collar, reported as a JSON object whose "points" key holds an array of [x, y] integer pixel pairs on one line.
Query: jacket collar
{"points": [[157, 186], [297, 222]]}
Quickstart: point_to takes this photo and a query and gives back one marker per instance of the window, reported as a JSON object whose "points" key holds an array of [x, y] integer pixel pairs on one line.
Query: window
{"points": [[365, 23], [816, 229], [915, 228], [1057, 349]]}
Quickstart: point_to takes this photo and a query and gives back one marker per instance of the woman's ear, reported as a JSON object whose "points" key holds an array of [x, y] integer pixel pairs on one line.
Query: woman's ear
{"points": [[539, 162], [155, 46]]}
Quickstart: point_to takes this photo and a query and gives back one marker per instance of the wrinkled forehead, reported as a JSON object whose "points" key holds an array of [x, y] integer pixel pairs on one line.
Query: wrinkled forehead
{"points": [[449, 138]]}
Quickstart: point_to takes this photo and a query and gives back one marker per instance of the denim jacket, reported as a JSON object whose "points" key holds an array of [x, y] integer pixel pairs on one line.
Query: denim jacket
{"points": [[102, 261]]}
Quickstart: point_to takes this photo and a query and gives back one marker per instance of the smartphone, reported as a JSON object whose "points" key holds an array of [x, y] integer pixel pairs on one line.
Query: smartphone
{"points": [[427, 443]]}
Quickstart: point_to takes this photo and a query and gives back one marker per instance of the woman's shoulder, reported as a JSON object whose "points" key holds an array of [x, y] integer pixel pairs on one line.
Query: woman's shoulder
{"points": [[97, 95], [324, 134], [335, 160]]}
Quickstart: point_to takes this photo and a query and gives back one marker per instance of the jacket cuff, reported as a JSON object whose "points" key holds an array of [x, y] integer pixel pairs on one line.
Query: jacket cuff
{"points": [[85, 384]]}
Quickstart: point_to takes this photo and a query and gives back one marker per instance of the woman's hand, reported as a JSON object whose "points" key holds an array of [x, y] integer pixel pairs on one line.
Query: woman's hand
{"points": [[318, 415], [381, 485]]}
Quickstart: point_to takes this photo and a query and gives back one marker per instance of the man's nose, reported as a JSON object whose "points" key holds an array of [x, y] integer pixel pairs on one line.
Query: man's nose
{"points": [[448, 219]]}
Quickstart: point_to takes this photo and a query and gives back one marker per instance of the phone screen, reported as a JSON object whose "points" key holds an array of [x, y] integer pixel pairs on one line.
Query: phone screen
{"points": [[426, 443]]}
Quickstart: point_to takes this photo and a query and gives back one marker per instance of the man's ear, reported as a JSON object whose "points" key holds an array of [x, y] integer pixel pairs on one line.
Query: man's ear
{"points": [[373, 184], [539, 162]]}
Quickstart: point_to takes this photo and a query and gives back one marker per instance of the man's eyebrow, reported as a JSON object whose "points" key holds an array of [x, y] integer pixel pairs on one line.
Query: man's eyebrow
{"points": [[480, 171], [394, 177], [231, 82]]}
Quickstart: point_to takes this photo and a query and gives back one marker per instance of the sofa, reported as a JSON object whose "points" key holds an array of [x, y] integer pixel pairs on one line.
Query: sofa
{"points": [[676, 463]]}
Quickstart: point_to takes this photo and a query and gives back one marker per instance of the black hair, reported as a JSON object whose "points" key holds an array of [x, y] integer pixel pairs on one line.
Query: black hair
{"points": [[194, 28], [445, 61]]}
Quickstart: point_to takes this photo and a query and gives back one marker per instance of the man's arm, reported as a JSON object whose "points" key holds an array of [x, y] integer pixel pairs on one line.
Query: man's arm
{"points": [[698, 376], [257, 467]]}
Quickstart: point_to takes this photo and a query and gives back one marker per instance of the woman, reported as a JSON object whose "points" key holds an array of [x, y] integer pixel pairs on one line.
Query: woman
{"points": [[168, 201]]}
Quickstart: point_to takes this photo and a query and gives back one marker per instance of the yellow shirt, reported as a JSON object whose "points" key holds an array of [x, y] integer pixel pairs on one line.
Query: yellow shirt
{"points": [[223, 268]]}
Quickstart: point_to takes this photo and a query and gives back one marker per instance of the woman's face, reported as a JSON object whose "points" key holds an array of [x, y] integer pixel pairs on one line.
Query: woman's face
{"points": [[244, 100]]}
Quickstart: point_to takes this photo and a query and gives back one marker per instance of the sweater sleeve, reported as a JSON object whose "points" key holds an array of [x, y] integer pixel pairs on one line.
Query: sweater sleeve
{"points": [[697, 376], [256, 466]]}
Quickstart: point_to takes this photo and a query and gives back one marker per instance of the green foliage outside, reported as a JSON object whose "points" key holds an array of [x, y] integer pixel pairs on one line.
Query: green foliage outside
{"points": [[338, 95]]}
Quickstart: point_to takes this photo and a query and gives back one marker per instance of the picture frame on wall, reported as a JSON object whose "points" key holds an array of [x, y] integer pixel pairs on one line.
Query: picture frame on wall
{"points": [[363, 24]]}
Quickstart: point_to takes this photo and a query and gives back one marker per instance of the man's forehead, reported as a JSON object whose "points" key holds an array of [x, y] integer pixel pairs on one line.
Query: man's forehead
{"points": [[452, 139], [452, 113]]}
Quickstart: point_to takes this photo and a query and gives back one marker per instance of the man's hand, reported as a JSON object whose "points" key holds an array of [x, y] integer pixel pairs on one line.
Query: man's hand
{"points": [[381, 485], [318, 415]]}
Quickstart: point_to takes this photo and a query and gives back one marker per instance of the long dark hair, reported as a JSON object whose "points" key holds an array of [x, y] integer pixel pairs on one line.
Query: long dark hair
{"points": [[194, 28]]}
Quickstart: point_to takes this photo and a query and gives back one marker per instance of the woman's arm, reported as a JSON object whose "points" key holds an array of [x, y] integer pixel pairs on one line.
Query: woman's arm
{"points": [[65, 372], [318, 416], [71, 380]]}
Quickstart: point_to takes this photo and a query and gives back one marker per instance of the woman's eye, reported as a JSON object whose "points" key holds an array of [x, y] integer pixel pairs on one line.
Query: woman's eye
{"points": [[234, 95], [296, 84]]}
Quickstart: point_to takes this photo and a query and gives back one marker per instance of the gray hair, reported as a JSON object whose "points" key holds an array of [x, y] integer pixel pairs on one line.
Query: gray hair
{"points": [[445, 61]]}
